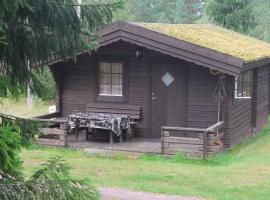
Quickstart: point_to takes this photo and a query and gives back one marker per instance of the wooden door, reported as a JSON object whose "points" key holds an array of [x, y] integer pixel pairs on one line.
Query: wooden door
{"points": [[166, 97]]}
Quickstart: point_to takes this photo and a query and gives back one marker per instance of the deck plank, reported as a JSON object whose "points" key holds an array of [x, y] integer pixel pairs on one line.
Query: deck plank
{"points": [[138, 145]]}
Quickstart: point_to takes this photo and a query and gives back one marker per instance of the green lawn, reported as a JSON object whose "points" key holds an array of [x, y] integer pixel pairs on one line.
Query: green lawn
{"points": [[243, 173], [17, 107]]}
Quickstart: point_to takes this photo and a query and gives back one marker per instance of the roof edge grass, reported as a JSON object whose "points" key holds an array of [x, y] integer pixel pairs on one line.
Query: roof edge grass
{"points": [[213, 37]]}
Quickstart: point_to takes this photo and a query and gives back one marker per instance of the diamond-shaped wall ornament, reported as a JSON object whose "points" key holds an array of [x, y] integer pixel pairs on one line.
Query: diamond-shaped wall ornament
{"points": [[167, 79]]}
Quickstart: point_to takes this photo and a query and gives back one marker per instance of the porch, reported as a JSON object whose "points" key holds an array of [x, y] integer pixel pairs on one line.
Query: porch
{"points": [[136, 145], [198, 142]]}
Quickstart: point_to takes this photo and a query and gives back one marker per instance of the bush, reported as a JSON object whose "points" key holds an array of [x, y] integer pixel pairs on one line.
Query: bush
{"points": [[52, 182]]}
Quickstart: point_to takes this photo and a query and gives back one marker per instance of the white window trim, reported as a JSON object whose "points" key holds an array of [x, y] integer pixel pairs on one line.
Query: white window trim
{"points": [[235, 90], [110, 95]]}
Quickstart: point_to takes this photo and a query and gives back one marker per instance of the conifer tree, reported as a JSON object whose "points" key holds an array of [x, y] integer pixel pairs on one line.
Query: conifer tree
{"points": [[33, 30], [236, 15], [169, 11]]}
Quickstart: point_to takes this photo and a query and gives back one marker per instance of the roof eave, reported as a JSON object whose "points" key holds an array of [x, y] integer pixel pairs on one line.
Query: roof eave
{"points": [[255, 64], [171, 46]]}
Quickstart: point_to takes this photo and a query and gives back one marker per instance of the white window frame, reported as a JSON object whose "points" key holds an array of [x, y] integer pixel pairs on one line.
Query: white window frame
{"points": [[111, 95], [236, 88]]}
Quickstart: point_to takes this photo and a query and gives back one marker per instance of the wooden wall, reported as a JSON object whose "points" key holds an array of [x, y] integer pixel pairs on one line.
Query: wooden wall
{"points": [[202, 108], [57, 75], [246, 114], [240, 120], [77, 86], [79, 82], [139, 93], [262, 96]]}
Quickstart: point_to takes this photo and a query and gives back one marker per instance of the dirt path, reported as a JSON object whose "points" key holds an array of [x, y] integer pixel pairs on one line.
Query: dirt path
{"points": [[123, 194]]}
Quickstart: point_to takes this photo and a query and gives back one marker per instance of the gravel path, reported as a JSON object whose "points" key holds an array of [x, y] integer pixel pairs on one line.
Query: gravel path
{"points": [[123, 194]]}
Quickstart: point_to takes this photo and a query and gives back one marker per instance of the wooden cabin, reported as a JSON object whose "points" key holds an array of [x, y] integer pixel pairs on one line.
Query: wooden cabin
{"points": [[186, 79]]}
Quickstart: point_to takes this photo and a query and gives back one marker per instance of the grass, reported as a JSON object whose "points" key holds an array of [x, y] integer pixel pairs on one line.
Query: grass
{"points": [[247, 48], [17, 107], [242, 173]]}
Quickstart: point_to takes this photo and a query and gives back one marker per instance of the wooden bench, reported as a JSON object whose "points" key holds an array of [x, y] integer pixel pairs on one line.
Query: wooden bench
{"points": [[132, 111]]}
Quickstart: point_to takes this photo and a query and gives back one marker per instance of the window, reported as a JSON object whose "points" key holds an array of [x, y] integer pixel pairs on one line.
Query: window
{"points": [[243, 85], [110, 79]]}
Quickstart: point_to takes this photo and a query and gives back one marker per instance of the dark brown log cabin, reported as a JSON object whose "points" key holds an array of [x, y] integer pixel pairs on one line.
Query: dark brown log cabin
{"points": [[176, 77]]}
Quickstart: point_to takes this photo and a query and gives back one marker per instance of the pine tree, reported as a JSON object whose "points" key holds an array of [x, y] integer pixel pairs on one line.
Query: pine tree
{"points": [[34, 30], [261, 13], [169, 11], [31, 31], [232, 14]]}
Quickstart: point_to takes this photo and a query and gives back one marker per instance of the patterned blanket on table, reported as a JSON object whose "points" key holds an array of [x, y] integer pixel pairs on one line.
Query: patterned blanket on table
{"points": [[112, 122]]}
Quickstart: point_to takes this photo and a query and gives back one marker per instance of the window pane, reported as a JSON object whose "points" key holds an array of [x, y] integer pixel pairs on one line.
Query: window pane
{"points": [[116, 79], [239, 93], [110, 79], [105, 79], [247, 76], [116, 89], [105, 67], [105, 89], [240, 77], [117, 68], [247, 92], [244, 85], [239, 85]]}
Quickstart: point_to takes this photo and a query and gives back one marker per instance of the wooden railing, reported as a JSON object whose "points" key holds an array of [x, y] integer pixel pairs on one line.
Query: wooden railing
{"points": [[55, 131], [50, 118], [197, 142]]}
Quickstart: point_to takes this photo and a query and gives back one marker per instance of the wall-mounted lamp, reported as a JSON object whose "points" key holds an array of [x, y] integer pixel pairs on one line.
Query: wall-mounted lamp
{"points": [[138, 53]]}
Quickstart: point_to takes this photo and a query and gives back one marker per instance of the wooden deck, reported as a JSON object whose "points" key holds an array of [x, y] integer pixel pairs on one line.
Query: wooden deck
{"points": [[138, 145]]}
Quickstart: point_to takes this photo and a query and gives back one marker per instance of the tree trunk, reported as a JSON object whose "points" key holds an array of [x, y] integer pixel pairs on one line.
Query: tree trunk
{"points": [[29, 90], [29, 96]]}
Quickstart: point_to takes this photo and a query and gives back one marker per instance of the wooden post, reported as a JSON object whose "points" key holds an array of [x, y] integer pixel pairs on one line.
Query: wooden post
{"points": [[111, 138], [77, 133], [65, 129], [164, 134], [86, 134], [121, 138], [127, 136], [205, 145], [162, 141]]}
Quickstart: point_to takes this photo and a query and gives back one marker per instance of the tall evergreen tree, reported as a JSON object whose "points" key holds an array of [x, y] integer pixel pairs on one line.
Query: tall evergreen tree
{"points": [[194, 10], [32, 30], [169, 11], [261, 12], [232, 14]]}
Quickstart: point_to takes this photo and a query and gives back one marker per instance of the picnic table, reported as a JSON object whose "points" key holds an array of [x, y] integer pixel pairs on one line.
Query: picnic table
{"points": [[114, 123]]}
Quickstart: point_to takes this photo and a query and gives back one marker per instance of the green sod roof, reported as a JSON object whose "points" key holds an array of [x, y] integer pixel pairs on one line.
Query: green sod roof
{"points": [[216, 38]]}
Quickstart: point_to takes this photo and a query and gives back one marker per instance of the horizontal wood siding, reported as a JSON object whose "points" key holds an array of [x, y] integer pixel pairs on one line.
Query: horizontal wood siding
{"points": [[177, 139], [262, 96], [79, 85], [246, 114], [80, 82], [202, 108], [139, 93], [240, 120], [57, 72]]}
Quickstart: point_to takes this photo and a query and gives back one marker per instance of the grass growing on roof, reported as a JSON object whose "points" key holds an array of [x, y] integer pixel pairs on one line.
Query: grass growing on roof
{"points": [[216, 38], [241, 173]]}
